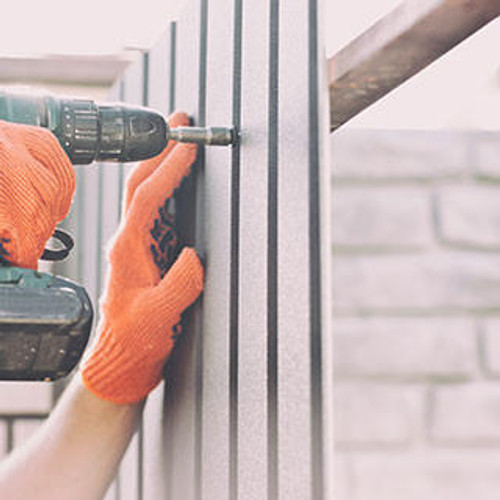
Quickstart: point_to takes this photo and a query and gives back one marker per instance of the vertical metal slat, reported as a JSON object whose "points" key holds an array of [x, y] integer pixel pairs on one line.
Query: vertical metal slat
{"points": [[154, 444], [215, 464], [253, 254], [183, 384]]}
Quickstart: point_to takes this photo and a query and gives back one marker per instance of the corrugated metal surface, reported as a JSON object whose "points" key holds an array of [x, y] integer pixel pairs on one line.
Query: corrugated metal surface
{"points": [[242, 414]]}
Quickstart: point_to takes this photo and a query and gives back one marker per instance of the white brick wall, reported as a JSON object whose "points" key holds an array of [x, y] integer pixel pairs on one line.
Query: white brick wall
{"points": [[470, 216], [422, 475], [368, 218], [408, 348], [375, 414], [365, 155], [486, 159], [416, 314], [434, 282], [491, 346], [466, 414]]}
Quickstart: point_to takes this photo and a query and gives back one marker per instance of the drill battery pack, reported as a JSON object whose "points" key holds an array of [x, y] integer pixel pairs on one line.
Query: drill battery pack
{"points": [[45, 323]]}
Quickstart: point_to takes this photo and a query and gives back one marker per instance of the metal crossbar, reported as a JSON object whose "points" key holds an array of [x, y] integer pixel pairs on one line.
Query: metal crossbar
{"points": [[397, 47]]}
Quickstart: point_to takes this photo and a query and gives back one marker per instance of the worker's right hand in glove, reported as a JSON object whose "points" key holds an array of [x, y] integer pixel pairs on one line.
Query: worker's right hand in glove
{"points": [[143, 300]]}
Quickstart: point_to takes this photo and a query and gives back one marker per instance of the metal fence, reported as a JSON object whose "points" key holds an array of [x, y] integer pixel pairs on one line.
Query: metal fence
{"points": [[243, 411]]}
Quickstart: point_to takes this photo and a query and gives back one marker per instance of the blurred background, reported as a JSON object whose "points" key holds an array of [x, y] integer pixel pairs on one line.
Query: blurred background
{"points": [[415, 247]]}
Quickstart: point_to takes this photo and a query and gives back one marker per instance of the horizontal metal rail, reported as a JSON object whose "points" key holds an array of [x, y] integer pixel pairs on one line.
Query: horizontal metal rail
{"points": [[397, 47]]}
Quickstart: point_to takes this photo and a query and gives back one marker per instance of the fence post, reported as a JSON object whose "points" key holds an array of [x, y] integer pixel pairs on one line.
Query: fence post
{"points": [[246, 405]]}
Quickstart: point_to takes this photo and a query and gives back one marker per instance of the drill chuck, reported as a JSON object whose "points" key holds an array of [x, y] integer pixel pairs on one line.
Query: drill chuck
{"points": [[110, 132]]}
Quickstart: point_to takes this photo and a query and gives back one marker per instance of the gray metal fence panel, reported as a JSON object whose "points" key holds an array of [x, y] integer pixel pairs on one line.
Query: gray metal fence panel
{"points": [[184, 388], [217, 196], [253, 254], [241, 413], [292, 287], [157, 68]]}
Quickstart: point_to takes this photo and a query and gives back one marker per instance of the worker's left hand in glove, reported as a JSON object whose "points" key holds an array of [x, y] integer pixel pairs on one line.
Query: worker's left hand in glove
{"points": [[143, 301], [37, 182]]}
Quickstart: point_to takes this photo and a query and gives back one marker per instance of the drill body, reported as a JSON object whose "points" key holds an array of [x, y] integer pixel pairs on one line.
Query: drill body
{"points": [[87, 131]]}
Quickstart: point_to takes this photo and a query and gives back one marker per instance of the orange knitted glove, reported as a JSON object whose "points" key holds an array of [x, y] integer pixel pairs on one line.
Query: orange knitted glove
{"points": [[37, 182], [142, 305]]}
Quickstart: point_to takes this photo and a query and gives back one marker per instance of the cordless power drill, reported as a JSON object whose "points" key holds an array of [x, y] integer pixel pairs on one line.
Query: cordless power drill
{"points": [[45, 320]]}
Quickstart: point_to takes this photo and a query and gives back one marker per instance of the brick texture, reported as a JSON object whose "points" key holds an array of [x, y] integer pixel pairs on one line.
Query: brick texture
{"points": [[470, 216], [366, 155], [371, 414], [381, 218], [440, 475], [466, 414], [486, 154], [491, 346], [405, 348], [416, 314], [437, 281]]}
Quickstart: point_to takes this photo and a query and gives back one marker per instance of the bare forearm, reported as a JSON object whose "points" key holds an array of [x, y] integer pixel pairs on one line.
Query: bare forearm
{"points": [[76, 454]]}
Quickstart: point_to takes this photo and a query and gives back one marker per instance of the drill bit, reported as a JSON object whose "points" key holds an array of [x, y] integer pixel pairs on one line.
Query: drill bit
{"points": [[209, 136]]}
